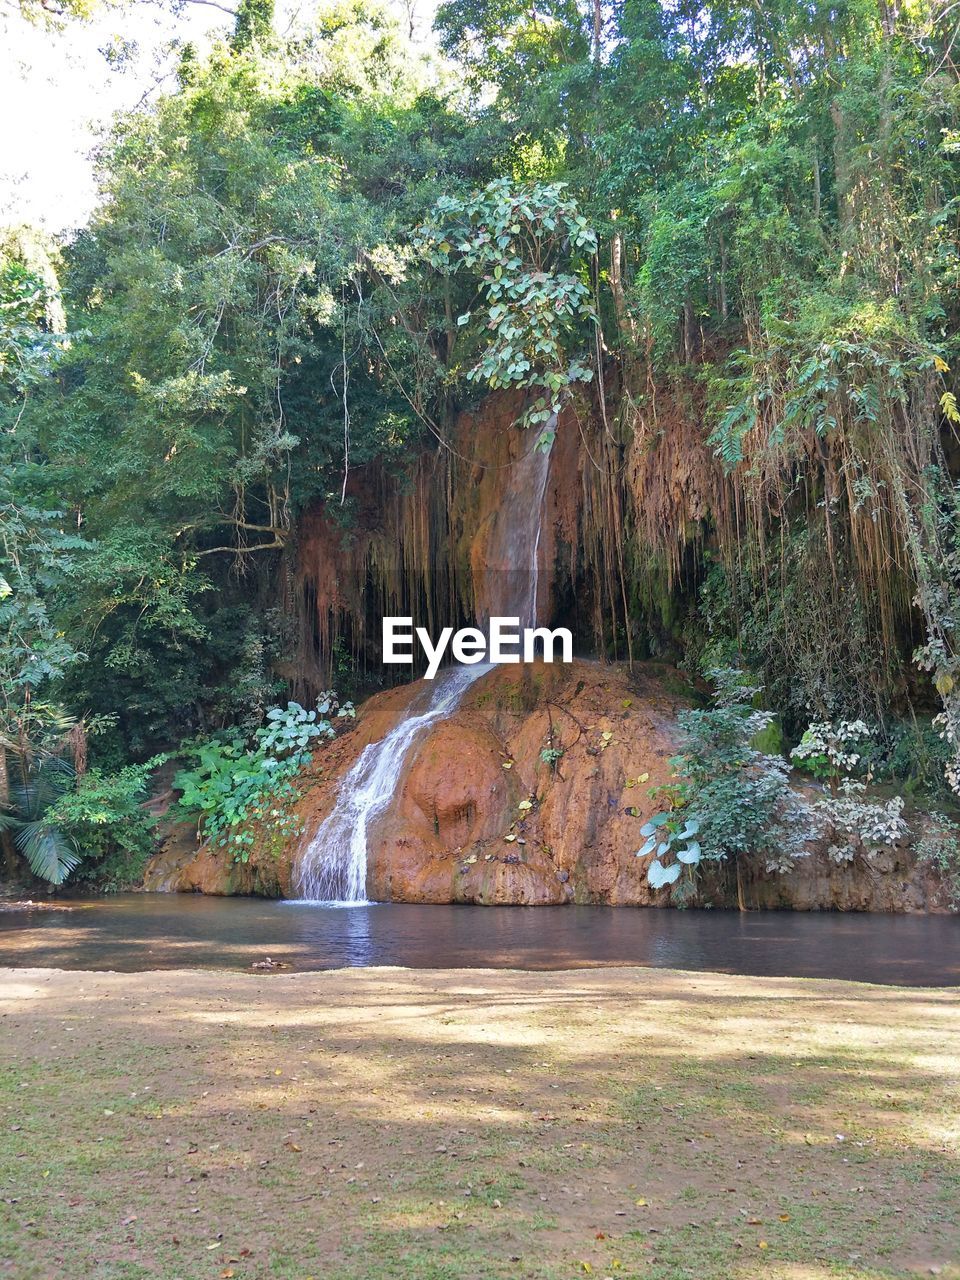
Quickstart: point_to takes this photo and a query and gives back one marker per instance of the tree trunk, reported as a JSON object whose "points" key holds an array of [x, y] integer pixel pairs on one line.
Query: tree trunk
{"points": [[616, 285], [816, 181], [11, 861], [688, 330], [841, 167]]}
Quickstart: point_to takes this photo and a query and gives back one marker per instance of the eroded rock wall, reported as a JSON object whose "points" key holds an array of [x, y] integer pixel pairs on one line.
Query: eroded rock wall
{"points": [[486, 813], [482, 815]]}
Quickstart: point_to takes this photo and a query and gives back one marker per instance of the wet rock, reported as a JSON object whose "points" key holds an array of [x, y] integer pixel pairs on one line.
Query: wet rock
{"points": [[184, 866], [442, 839], [464, 828]]}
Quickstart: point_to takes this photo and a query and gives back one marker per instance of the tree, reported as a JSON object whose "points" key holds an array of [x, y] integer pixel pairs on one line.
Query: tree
{"points": [[526, 247], [247, 331]]}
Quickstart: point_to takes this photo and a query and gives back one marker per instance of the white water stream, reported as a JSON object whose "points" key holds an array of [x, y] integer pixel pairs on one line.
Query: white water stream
{"points": [[333, 867]]}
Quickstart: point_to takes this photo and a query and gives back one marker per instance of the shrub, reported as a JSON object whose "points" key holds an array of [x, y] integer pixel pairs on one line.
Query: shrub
{"points": [[729, 800], [35, 785], [858, 826], [854, 825], [831, 751], [103, 816], [233, 785], [939, 848]]}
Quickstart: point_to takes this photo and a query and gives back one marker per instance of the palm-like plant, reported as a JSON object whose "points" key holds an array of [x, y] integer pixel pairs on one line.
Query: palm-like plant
{"points": [[34, 774], [33, 788]]}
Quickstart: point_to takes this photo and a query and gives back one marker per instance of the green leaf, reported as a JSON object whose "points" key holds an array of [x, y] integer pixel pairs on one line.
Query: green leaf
{"points": [[658, 875], [50, 853]]}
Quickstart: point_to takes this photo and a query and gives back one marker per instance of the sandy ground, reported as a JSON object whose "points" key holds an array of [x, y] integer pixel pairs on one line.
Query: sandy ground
{"points": [[448, 1125]]}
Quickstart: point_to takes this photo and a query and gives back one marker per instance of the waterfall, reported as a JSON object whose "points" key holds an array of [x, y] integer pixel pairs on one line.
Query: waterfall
{"points": [[333, 867], [512, 560]]}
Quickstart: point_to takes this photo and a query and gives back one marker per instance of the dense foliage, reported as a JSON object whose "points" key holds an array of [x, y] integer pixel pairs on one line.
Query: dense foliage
{"points": [[725, 234], [731, 800], [240, 791], [104, 819]]}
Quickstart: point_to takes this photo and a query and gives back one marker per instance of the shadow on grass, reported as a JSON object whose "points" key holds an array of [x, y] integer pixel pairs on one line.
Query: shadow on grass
{"points": [[459, 1126]]}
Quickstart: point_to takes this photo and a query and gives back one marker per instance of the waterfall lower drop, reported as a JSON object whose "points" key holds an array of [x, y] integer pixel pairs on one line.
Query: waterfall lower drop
{"points": [[333, 867]]}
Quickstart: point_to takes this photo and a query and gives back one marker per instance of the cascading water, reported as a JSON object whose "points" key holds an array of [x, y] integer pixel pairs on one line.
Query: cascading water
{"points": [[512, 560], [333, 867]]}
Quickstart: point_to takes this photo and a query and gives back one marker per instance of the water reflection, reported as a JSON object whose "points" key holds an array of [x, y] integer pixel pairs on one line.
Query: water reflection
{"points": [[162, 931], [360, 950]]}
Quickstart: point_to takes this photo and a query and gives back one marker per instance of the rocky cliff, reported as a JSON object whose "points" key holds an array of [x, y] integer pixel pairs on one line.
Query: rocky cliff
{"points": [[534, 789], [532, 792]]}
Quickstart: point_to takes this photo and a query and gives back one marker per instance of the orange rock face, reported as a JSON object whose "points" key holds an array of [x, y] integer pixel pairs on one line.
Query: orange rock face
{"points": [[181, 867], [482, 815]]}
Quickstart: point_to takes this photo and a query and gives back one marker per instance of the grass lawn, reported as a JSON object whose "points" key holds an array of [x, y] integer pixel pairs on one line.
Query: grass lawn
{"points": [[465, 1125]]}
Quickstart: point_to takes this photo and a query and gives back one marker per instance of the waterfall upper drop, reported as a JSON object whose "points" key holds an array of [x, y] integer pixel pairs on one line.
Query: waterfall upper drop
{"points": [[333, 866], [509, 578]]}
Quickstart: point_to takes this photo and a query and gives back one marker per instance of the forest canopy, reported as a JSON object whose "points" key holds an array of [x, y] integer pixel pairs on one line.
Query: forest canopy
{"points": [[722, 236]]}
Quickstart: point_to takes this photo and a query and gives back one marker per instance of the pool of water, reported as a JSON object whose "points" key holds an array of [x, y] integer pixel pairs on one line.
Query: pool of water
{"points": [[165, 931]]}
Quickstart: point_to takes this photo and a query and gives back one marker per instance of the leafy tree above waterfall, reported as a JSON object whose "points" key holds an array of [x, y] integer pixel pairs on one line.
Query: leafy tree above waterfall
{"points": [[528, 247], [233, 308]]}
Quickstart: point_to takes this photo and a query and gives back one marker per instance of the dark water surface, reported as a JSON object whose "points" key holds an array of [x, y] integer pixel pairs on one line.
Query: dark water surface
{"points": [[164, 931]]}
